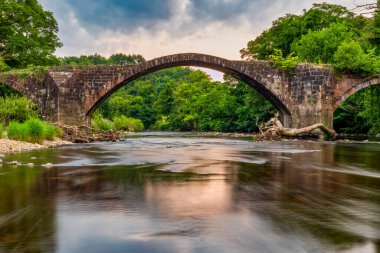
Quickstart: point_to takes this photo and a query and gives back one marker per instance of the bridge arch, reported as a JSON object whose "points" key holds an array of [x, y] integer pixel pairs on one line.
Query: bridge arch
{"points": [[355, 88], [254, 74]]}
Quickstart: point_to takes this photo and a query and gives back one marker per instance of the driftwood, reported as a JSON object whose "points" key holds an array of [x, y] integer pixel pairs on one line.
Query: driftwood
{"points": [[274, 130], [84, 134]]}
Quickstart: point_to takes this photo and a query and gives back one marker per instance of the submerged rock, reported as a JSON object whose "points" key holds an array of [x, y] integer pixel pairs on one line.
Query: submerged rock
{"points": [[15, 163], [47, 165]]}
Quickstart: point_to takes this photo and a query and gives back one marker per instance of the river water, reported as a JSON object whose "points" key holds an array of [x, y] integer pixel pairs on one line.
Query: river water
{"points": [[175, 193]]}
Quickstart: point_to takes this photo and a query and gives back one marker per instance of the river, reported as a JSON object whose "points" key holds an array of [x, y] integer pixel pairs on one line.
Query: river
{"points": [[186, 193]]}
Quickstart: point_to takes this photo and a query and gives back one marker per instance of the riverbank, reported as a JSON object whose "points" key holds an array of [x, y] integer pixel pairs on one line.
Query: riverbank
{"points": [[12, 146]]}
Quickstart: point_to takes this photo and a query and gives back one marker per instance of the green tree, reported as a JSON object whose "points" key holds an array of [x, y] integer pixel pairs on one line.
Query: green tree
{"points": [[289, 29], [320, 46], [123, 59], [28, 34]]}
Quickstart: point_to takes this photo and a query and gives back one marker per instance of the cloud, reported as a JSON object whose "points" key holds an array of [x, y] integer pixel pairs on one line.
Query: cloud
{"points": [[155, 28], [125, 15]]}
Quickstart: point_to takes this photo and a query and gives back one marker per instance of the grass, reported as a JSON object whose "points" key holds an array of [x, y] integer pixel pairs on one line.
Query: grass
{"points": [[32, 130]]}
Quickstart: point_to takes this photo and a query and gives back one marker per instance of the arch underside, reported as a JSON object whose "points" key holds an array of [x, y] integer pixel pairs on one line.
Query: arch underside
{"points": [[217, 64], [355, 89]]}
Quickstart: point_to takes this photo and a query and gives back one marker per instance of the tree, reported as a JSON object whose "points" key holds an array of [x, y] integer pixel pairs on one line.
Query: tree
{"points": [[123, 59], [289, 29], [28, 34]]}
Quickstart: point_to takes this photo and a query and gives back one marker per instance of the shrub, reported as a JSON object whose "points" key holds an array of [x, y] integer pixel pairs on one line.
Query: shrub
{"points": [[16, 109], [100, 123], [16, 131], [35, 130], [50, 132], [32, 130], [130, 124], [287, 64], [1, 130], [350, 57]]}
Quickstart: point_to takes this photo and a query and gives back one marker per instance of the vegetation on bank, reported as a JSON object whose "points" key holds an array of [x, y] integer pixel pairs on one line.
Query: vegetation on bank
{"points": [[19, 117], [32, 130]]}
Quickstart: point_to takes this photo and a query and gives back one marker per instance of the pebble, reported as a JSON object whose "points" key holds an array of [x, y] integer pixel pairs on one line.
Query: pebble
{"points": [[30, 164], [10, 146], [33, 158], [47, 165], [15, 163], [1, 161]]}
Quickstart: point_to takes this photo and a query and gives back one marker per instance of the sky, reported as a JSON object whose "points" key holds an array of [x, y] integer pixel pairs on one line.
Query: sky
{"points": [[155, 28]]}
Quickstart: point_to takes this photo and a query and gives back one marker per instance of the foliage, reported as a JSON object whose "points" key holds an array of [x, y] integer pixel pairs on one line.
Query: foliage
{"points": [[50, 132], [350, 57], [359, 113], [28, 34], [96, 59], [16, 108], [1, 130], [287, 64], [123, 59], [32, 130], [36, 71], [35, 130], [16, 131], [3, 66], [329, 34], [184, 99], [289, 29], [99, 123], [319, 46], [6, 91], [130, 124]]}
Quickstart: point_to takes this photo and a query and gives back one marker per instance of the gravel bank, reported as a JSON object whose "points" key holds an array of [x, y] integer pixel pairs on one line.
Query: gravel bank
{"points": [[12, 146]]}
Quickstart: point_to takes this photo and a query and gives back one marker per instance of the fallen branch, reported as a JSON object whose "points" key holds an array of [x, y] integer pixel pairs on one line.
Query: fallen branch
{"points": [[274, 130]]}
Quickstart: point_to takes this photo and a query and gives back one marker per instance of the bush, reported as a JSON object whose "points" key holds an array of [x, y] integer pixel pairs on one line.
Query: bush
{"points": [[32, 130], [35, 130], [100, 123], [287, 64], [1, 130], [16, 131], [350, 57], [130, 124], [16, 109], [50, 132]]}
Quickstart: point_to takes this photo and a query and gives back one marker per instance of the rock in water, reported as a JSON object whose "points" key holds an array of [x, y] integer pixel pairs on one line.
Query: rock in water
{"points": [[47, 165], [15, 163], [30, 164]]}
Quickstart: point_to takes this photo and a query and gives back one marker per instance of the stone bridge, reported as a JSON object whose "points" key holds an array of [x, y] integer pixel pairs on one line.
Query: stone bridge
{"points": [[71, 94]]}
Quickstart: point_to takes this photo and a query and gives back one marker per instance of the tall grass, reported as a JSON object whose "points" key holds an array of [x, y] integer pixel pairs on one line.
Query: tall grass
{"points": [[32, 130], [1, 130]]}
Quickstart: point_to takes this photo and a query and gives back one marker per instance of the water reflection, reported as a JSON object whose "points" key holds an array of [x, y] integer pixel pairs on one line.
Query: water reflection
{"points": [[193, 195]]}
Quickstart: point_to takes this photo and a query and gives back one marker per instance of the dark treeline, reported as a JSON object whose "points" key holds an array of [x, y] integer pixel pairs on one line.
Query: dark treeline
{"points": [[96, 59], [185, 99]]}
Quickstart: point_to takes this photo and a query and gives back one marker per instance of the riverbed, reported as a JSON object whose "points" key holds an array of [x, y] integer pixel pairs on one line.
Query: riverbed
{"points": [[165, 192]]}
